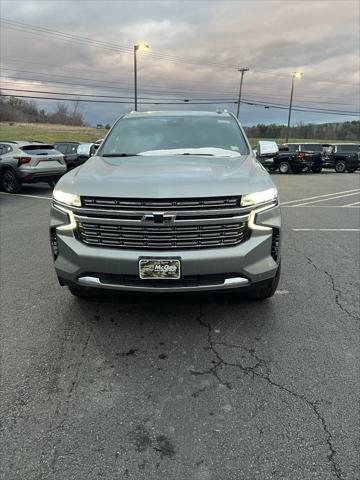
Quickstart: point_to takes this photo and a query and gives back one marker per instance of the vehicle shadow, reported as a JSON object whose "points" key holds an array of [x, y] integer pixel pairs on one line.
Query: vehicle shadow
{"points": [[36, 189], [121, 323]]}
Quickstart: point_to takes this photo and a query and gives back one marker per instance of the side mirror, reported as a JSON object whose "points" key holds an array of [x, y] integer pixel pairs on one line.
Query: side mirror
{"points": [[94, 148], [84, 150], [267, 149]]}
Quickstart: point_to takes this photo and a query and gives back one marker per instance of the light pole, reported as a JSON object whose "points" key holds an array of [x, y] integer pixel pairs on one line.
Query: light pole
{"points": [[295, 76], [242, 70], [137, 48]]}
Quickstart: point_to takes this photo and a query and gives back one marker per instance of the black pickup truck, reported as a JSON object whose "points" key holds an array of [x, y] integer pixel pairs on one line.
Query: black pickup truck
{"points": [[342, 157], [298, 157]]}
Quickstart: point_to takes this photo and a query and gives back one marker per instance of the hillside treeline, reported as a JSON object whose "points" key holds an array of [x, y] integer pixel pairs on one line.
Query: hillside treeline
{"points": [[14, 109], [330, 131]]}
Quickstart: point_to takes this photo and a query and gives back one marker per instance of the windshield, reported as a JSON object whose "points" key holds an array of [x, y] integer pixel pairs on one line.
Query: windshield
{"points": [[177, 135]]}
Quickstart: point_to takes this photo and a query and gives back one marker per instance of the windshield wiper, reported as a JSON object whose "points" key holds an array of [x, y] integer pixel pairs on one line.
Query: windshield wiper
{"points": [[120, 154], [199, 154]]}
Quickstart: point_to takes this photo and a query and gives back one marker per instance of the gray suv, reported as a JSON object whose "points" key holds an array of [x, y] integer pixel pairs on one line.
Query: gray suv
{"points": [[171, 202], [29, 162]]}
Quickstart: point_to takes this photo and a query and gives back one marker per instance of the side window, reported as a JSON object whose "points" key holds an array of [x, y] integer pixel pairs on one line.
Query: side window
{"points": [[1, 149], [7, 149]]}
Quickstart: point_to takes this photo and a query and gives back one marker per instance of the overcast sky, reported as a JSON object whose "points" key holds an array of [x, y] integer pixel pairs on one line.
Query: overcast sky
{"points": [[196, 48]]}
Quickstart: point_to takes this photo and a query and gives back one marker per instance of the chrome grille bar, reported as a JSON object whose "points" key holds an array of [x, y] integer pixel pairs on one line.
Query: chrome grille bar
{"points": [[191, 222], [168, 204], [196, 223]]}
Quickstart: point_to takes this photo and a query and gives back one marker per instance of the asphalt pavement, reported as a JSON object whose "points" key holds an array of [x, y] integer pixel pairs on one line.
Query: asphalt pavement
{"points": [[186, 387]]}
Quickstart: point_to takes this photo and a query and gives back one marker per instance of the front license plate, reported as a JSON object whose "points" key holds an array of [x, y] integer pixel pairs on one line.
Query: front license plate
{"points": [[159, 268]]}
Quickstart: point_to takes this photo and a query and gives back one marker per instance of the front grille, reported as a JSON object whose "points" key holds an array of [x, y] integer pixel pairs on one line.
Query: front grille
{"points": [[162, 237], [175, 223], [161, 204]]}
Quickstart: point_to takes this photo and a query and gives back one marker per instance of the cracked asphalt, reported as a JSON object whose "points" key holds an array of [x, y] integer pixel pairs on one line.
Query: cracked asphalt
{"points": [[185, 388]]}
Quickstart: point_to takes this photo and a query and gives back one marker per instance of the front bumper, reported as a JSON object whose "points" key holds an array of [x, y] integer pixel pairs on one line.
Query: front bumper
{"points": [[243, 265]]}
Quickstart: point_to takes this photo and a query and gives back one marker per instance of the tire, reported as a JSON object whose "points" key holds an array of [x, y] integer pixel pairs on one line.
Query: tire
{"points": [[316, 169], [285, 167], [340, 166], [351, 170], [83, 292], [267, 291], [9, 182]]}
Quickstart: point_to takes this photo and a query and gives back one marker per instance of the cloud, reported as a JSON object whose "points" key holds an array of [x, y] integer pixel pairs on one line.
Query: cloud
{"points": [[273, 38]]}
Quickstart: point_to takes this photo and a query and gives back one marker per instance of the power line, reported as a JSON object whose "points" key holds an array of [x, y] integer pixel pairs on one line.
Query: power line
{"points": [[282, 107], [110, 46], [156, 89], [248, 101], [12, 60], [112, 96], [179, 100]]}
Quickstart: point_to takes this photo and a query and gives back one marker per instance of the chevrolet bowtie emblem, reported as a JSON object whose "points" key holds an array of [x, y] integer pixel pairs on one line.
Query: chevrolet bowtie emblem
{"points": [[159, 217]]}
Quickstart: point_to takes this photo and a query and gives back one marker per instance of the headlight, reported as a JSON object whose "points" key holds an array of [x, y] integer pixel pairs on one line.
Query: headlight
{"points": [[67, 198], [259, 197]]}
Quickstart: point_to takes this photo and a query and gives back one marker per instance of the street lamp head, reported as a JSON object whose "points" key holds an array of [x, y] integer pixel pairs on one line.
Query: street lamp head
{"points": [[297, 75], [141, 47]]}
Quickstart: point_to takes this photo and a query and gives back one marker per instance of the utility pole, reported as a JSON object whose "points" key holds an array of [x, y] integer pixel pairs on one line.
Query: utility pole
{"points": [[242, 70], [135, 78], [295, 76]]}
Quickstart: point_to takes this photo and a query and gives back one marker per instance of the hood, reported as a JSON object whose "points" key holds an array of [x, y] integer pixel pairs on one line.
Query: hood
{"points": [[166, 176]]}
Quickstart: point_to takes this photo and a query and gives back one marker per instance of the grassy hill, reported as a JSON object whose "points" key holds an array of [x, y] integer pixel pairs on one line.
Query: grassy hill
{"points": [[50, 133]]}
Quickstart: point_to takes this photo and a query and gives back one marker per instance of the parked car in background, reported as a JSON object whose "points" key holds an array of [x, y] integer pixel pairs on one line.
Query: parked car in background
{"points": [[96, 145], [265, 153], [86, 150], [299, 157], [29, 162], [342, 157], [69, 150]]}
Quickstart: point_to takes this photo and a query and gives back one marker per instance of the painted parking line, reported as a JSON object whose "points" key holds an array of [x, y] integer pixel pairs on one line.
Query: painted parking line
{"points": [[15, 195], [334, 197], [300, 200], [352, 204], [326, 229], [321, 206]]}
